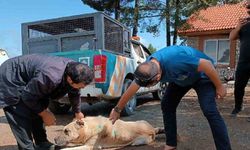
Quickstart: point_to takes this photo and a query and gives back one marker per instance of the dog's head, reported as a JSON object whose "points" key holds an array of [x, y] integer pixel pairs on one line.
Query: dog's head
{"points": [[74, 132], [79, 131]]}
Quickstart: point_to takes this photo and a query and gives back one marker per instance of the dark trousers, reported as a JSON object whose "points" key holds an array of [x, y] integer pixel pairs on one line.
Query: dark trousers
{"points": [[242, 76], [25, 126], [206, 95]]}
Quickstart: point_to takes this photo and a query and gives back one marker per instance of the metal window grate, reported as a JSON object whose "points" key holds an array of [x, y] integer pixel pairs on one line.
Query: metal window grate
{"points": [[113, 36], [61, 27]]}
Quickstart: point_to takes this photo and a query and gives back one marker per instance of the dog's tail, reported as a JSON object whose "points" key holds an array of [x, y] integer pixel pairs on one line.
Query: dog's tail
{"points": [[159, 130]]}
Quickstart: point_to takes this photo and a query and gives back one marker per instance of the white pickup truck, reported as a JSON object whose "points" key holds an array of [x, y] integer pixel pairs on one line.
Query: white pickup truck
{"points": [[99, 41]]}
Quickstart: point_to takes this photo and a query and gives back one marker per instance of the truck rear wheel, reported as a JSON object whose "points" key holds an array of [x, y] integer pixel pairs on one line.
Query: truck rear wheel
{"points": [[58, 108], [160, 93], [131, 105]]}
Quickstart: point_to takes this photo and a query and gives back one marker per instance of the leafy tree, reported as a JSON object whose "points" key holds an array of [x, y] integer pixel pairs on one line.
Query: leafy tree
{"points": [[151, 48], [176, 13], [153, 15], [108, 6]]}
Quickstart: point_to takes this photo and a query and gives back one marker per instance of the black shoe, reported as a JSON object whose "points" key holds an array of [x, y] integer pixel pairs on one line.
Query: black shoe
{"points": [[248, 119], [235, 112], [45, 146]]}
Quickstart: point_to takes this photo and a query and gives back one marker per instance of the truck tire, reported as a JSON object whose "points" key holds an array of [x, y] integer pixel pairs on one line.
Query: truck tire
{"points": [[131, 105], [58, 108], [160, 93]]}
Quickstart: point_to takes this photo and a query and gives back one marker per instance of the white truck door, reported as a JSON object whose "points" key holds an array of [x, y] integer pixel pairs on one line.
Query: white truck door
{"points": [[140, 55], [3, 56], [137, 52]]}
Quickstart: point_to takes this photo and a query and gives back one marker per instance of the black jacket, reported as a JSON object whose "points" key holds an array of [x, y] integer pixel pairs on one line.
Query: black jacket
{"points": [[35, 79]]}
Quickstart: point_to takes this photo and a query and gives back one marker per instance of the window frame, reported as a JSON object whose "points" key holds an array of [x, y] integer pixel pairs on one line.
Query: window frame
{"points": [[217, 49]]}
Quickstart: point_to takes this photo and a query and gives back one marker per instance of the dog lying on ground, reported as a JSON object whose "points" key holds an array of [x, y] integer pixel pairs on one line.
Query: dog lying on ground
{"points": [[100, 133]]}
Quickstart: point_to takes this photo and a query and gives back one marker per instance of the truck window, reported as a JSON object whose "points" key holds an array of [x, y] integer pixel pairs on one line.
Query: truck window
{"points": [[138, 50], [127, 48]]}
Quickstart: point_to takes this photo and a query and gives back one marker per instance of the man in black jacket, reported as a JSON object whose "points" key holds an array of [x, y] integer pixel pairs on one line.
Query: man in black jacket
{"points": [[27, 83], [242, 75]]}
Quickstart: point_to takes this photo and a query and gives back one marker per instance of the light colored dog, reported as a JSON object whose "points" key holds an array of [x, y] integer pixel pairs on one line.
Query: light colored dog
{"points": [[100, 133]]}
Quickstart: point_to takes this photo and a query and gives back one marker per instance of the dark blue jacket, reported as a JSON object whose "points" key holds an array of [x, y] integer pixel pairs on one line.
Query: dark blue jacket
{"points": [[35, 79]]}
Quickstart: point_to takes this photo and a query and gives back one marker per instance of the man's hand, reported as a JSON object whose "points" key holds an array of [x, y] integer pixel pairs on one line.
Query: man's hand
{"points": [[221, 92], [48, 117], [79, 116], [113, 116]]}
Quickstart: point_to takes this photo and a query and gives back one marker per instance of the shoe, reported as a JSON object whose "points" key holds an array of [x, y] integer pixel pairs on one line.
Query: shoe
{"points": [[45, 146], [235, 112], [248, 119]]}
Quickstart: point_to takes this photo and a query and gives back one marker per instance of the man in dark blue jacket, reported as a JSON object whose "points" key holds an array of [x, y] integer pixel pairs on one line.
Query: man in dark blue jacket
{"points": [[27, 83]]}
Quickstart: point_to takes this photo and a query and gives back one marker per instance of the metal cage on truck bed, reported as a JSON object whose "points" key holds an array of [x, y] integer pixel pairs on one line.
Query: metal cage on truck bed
{"points": [[87, 31]]}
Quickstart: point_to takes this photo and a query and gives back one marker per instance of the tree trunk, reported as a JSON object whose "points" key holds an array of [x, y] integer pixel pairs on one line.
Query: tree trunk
{"points": [[117, 10], [136, 18], [168, 36], [176, 23]]}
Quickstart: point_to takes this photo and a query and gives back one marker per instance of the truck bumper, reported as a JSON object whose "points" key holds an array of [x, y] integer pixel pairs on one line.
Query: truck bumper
{"points": [[89, 94]]}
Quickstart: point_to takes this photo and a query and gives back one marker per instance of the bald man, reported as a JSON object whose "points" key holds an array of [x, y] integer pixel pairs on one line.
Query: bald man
{"points": [[183, 68]]}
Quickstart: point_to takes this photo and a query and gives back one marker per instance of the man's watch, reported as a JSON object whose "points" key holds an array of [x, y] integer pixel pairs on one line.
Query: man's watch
{"points": [[117, 109]]}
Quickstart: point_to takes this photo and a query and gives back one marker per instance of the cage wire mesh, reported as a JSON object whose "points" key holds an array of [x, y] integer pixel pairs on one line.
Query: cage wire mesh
{"points": [[61, 27], [113, 36], [55, 35]]}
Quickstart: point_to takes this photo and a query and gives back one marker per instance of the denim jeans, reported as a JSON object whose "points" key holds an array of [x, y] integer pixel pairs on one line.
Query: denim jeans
{"points": [[206, 94]]}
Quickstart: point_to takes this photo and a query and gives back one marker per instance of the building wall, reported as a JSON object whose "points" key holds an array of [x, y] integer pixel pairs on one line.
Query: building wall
{"points": [[199, 43], [193, 42]]}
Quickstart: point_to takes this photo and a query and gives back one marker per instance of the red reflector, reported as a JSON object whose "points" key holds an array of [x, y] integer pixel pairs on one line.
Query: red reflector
{"points": [[100, 68]]}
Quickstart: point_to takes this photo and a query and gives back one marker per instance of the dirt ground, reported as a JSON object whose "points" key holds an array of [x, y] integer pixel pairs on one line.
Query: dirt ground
{"points": [[194, 132]]}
